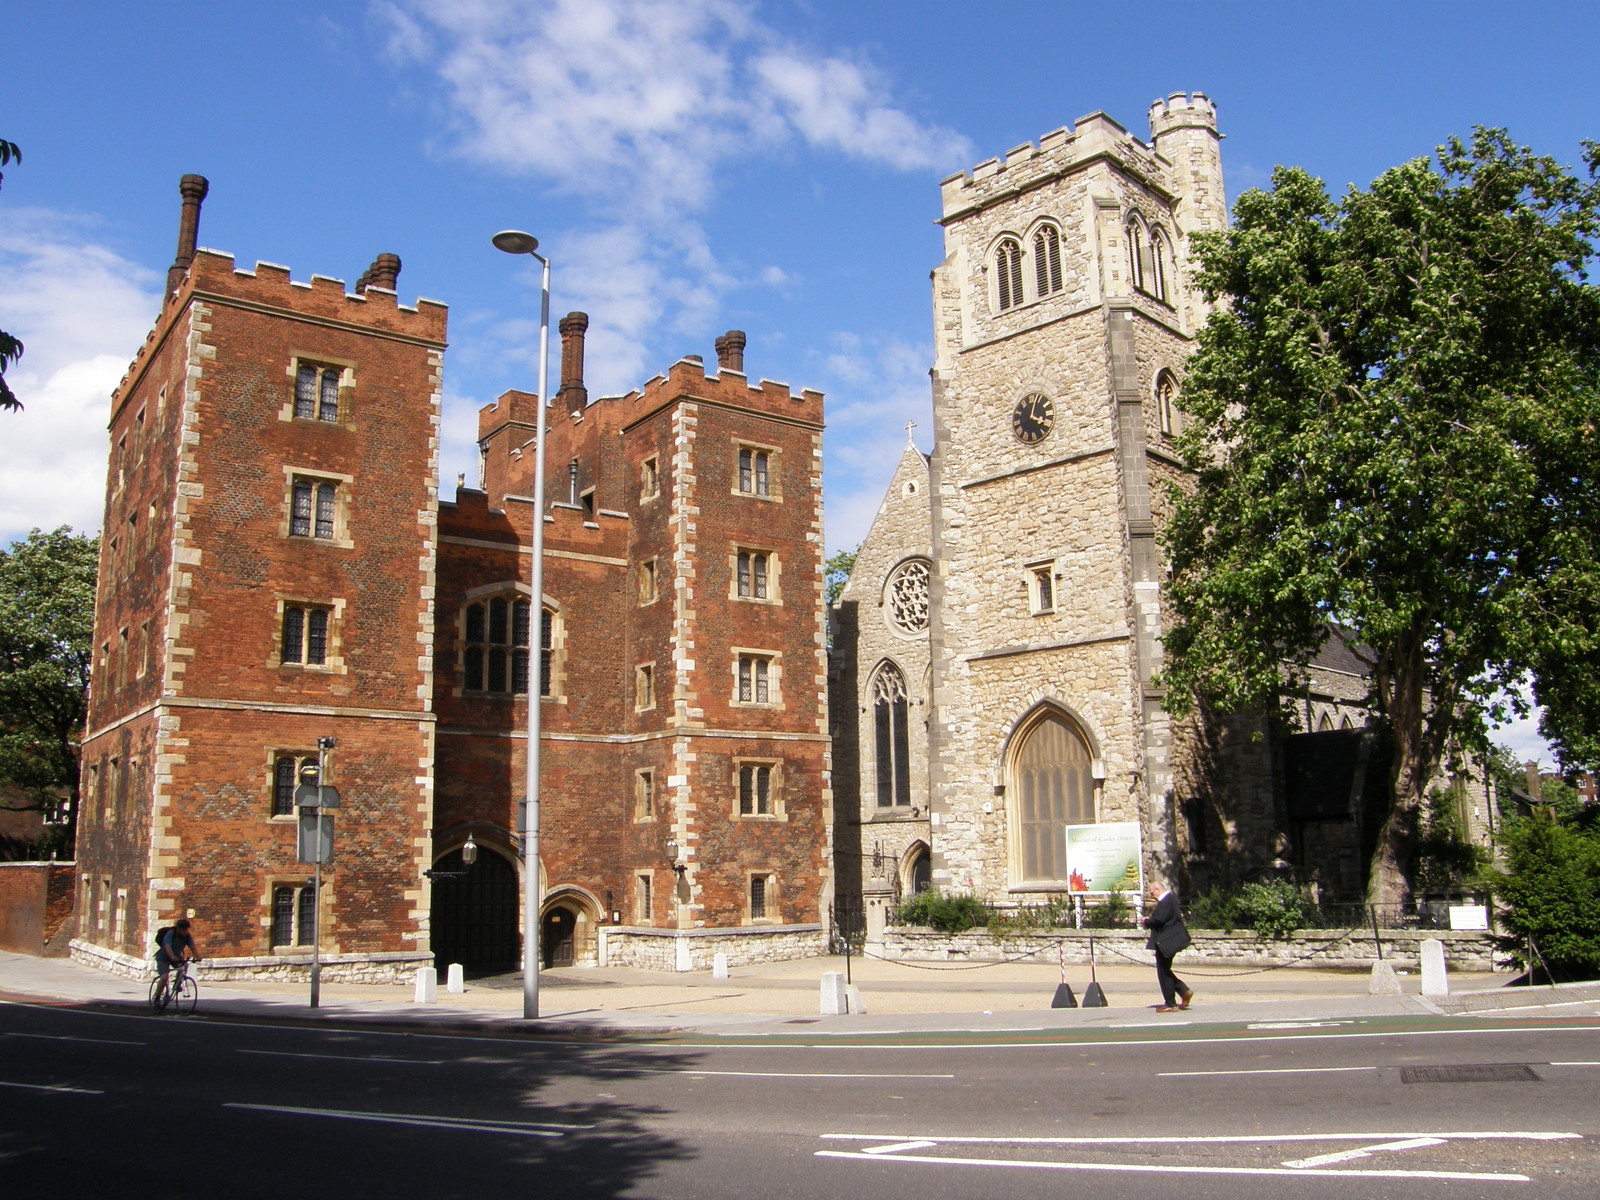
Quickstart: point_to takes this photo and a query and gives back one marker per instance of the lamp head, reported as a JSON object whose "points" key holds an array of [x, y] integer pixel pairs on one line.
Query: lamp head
{"points": [[514, 241], [469, 852]]}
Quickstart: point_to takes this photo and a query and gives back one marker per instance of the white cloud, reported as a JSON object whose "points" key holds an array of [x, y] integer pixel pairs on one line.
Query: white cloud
{"points": [[633, 105], [80, 309]]}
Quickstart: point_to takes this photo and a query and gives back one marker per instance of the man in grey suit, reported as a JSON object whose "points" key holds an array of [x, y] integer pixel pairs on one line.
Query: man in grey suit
{"points": [[1168, 936]]}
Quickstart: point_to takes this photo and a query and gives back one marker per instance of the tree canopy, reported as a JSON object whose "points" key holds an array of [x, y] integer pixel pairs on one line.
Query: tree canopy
{"points": [[1395, 417], [47, 583]]}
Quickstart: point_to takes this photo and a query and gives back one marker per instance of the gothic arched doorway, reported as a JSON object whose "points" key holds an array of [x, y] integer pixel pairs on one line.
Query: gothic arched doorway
{"points": [[475, 914]]}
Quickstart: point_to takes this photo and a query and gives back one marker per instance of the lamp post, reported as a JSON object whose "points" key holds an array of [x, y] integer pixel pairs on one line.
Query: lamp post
{"points": [[515, 242]]}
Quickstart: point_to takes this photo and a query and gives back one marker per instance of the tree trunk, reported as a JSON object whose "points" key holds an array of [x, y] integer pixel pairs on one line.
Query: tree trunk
{"points": [[1388, 886]]}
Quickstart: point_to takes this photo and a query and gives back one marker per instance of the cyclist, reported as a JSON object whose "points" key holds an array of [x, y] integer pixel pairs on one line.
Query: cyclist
{"points": [[175, 945]]}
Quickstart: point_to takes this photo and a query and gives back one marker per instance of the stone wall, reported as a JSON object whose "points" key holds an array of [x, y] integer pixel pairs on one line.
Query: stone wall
{"points": [[1309, 948], [399, 968], [694, 949]]}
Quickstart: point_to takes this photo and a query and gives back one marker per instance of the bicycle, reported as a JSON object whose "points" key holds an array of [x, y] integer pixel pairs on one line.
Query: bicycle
{"points": [[181, 992]]}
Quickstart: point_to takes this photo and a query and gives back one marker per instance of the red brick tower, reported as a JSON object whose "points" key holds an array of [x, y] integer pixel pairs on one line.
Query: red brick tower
{"points": [[685, 787], [266, 578]]}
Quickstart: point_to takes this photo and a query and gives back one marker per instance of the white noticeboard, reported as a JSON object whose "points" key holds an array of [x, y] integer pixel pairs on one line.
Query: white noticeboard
{"points": [[1104, 858], [1469, 916]]}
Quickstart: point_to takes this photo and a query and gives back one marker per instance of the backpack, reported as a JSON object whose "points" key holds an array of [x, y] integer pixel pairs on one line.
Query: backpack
{"points": [[161, 936]]}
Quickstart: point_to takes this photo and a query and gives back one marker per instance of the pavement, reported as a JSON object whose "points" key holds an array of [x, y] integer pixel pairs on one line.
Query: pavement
{"points": [[783, 999]]}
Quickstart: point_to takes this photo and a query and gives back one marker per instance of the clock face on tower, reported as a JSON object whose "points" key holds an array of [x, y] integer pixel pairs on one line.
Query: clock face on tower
{"points": [[1033, 418]]}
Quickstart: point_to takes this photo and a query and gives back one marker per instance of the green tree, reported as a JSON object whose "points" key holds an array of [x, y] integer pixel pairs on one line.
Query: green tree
{"points": [[1551, 890], [836, 573], [47, 585], [10, 347], [1395, 427]]}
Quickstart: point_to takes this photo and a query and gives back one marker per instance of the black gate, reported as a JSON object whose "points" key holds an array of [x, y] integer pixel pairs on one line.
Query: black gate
{"points": [[475, 915]]}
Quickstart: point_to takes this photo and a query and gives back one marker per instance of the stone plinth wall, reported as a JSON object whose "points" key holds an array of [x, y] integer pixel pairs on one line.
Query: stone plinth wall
{"points": [[1314, 948], [399, 968], [694, 949], [35, 899]]}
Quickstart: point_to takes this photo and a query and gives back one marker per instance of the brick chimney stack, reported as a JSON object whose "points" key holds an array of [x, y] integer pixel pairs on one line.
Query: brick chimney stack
{"points": [[383, 273], [574, 396], [730, 351], [193, 189]]}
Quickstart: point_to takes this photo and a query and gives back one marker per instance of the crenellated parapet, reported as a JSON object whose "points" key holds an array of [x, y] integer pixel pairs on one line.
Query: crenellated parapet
{"points": [[211, 277], [1060, 152], [687, 379], [1182, 111]]}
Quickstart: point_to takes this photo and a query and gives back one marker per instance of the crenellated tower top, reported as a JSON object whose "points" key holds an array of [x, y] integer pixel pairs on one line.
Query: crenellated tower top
{"points": [[1182, 111]]}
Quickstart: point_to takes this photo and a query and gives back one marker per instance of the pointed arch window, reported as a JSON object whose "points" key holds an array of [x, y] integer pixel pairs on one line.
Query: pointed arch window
{"points": [[891, 739], [1159, 258], [1047, 260], [1052, 786], [1008, 272], [1136, 254], [1167, 403]]}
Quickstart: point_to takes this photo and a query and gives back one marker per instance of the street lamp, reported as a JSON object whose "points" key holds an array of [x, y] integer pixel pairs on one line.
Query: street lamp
{"points": [[513, 241]]}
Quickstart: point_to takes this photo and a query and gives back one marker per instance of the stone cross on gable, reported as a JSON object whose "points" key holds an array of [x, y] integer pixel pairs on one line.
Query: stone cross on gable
{"points": [[910, 425]]}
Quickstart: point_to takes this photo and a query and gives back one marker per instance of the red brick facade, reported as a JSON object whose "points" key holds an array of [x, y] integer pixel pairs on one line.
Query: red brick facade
{"points": [[277, 568]]}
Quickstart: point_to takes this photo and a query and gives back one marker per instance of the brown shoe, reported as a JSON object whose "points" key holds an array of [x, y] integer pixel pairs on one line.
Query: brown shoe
{"points": [[1167, 1008], [1183, 1001]]}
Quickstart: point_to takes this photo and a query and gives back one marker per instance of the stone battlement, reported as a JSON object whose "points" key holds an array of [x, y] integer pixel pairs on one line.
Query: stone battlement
{"points": [[1182, 111], [1058, 152]]}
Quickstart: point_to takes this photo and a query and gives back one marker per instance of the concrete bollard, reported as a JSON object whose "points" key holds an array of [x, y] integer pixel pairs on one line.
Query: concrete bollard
{"points": [[427, 986], [456, 980], [1384, 981], [834, 1001], [852, 999], [719, 965], [1435, 980]]}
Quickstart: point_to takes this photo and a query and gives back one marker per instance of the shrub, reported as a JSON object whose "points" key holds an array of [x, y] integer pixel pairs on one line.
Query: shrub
{"points": [[1276, 908], [1551, 890], [1215, 909], [953, 913], [1114, 912]]}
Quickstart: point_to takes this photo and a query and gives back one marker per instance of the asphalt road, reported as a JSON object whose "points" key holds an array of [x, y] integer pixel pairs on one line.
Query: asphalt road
{"points": [[122, 1106]]}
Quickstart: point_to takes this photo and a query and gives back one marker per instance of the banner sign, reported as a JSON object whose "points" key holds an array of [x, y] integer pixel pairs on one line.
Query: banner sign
{"points": [[1104, 858]]}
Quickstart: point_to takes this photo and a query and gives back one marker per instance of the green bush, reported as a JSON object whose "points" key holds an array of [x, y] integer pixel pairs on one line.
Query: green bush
{"points": [[1215, 909], [1057, 913], [1276, 908], [1114, 912], [953, 913], [1551, 890]]}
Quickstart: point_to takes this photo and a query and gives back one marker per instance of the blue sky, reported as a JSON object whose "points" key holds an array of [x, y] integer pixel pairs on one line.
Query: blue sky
{"points": [[690, 165]]}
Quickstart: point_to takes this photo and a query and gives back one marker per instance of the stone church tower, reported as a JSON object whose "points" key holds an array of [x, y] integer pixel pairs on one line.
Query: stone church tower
{"points": [[1063, 314]]}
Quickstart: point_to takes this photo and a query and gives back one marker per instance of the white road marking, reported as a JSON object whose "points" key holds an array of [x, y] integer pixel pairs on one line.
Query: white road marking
{"points": [[1477, 1135], [1574, 1064], [1266, 1071], [1325, 1160], [1061, 1044], [897, 1146], [50, 1087], [61, 1037], [373, 1058], [1149, 1169], [519, 1128], [791, 1074]]}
